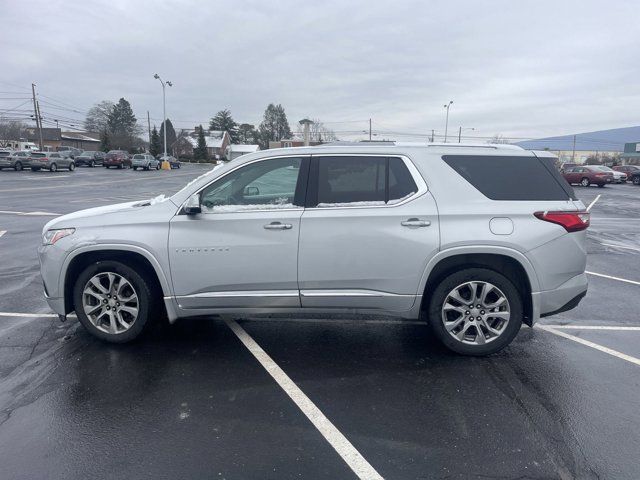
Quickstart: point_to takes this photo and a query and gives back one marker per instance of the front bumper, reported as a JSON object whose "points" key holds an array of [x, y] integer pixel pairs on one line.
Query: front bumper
{"points": [[51, 258]]}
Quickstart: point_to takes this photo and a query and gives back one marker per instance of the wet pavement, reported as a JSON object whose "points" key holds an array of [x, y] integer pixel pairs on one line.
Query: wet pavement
{"points": [[191, 401]]}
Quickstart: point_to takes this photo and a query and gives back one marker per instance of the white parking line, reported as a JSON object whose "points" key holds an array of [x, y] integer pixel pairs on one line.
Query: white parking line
{"points": [[31, 214], [582, 341], [633, 282], [620, 246], [593, 203], [30, 315], [594, 327], [2, 232], [336, 439]]}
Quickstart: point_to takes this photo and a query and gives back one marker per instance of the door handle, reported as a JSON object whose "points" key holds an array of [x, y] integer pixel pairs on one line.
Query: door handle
{"points": [[415, 222], [278, 226]]}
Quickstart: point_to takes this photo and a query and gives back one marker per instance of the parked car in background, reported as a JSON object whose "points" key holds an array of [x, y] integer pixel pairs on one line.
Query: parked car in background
{"points": [[566, 166], [5, 159], [70, 151], [634, 178], [476, 286], [629, 170], [17, 160], [118, 159], [618, 177], [586, 175], [145, 161], [173, 161], [52, 161], [90, 158]]}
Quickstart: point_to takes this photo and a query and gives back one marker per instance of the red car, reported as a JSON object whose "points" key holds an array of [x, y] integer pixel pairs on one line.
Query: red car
{"points": [[632, 171], [586, 175], [117, 158]]}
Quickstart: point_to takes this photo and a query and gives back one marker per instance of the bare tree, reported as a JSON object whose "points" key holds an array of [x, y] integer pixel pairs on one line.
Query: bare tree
{"points": [[498, 138], [317, 132], [98, 116], [10, 131]]}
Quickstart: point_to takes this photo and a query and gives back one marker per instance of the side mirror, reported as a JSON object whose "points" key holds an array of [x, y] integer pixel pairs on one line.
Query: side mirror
{"points": [[251, 191], [192, 207]]}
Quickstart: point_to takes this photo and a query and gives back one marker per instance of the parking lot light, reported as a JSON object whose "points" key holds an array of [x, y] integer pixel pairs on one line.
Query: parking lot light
{"points": [[164, 111]]}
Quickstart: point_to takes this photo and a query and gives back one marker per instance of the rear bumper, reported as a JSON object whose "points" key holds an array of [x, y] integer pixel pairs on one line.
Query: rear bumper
{"points": [[560, 299]]}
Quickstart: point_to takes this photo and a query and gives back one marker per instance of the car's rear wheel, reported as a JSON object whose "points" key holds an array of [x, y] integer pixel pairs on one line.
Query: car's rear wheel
{"points": [[585, 182], [475, 311], [53, 167], [112, 301], [18, 167], [72, 166], [636, 180]]}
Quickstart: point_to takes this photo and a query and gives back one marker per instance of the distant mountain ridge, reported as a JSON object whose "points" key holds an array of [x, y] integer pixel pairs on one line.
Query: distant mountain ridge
{"points": [[612, 140]]}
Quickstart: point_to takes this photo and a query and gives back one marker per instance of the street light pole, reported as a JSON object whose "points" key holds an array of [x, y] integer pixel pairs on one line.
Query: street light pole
{"points": [[164, 110], [446, 125]]}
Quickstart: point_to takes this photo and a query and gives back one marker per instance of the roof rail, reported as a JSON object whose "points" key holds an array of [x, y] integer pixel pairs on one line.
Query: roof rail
{"points": [[492, 146]]}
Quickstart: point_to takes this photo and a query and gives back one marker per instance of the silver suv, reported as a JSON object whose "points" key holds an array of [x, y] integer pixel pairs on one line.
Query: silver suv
{"points": [[475, 239]]}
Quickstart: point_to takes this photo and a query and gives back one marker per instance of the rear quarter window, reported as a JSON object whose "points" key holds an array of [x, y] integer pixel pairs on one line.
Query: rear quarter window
{"points": [[512, 178]]}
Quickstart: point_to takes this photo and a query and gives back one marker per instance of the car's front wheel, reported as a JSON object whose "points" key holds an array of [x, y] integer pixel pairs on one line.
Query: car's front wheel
{"points": [[53, 167], [636, 180], [112, 301], [72, 166], [476, 311], [18, 166], [585, 182]]}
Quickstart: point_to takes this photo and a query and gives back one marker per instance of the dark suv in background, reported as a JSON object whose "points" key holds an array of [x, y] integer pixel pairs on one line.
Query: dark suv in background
{"points": [[117, 158], [90, 159], [632, 171]]}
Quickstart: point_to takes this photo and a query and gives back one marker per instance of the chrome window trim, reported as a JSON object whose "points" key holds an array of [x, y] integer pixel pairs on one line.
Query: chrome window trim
{"points": [[413, 171], [198, 192]]}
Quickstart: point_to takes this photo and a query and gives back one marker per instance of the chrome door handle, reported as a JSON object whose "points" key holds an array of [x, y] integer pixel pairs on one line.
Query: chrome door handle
{"points": [[415, 222], [278, 226]]}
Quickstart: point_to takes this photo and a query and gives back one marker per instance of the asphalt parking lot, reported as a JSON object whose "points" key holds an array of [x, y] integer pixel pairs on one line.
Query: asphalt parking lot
{"points": [[316, 398]]}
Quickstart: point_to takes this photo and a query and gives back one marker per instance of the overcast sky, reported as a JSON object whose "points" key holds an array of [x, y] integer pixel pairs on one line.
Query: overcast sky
{"points": [[521, 69]]}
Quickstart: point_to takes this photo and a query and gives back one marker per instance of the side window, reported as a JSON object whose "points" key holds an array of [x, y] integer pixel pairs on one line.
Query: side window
{"points": [[362, 181], [265, 185]]}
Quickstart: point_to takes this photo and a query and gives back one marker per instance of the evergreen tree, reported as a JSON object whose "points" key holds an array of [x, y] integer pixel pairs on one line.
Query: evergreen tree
{"points": [[121, 121], [171, 135], [224, 121], [155, 145], [105, 141], [274, 125], [200, 153]]}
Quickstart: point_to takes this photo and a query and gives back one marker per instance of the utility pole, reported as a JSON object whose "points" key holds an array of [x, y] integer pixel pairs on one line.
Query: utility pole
{"points": [[369, 129], [573, 155], [446, 125], [433, 135], [40, 120], [36, 114], [460, 135], [149, 126]]}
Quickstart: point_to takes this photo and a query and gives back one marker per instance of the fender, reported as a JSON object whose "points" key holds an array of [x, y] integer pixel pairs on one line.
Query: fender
{"points": [[474, 249], [164, 284]]}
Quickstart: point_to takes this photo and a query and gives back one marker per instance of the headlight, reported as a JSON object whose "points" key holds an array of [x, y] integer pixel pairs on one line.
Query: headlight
{"points": [[52, 236]]}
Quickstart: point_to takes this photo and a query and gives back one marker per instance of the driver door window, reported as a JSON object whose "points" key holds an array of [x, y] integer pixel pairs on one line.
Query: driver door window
{"points": [[264, 185]]}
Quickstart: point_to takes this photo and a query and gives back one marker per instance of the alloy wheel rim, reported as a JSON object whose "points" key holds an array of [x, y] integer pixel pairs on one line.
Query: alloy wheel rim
{"points": [[476, 313], [110, 302]]}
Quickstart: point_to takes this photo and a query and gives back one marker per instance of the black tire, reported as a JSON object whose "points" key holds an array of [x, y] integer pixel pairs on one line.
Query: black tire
{"points": [[448, 284], [18, 166], [119, 167], [106, 166], [601, 185], [636, 180], [157, 166], [92, 163], [53, 167], [142, 288], [585, 182], [72, 166], [135, 168], [35, 169]]}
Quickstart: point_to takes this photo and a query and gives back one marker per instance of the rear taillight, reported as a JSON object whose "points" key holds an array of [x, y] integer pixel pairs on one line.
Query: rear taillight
{"points": [[571, 221], [602, 174]]}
